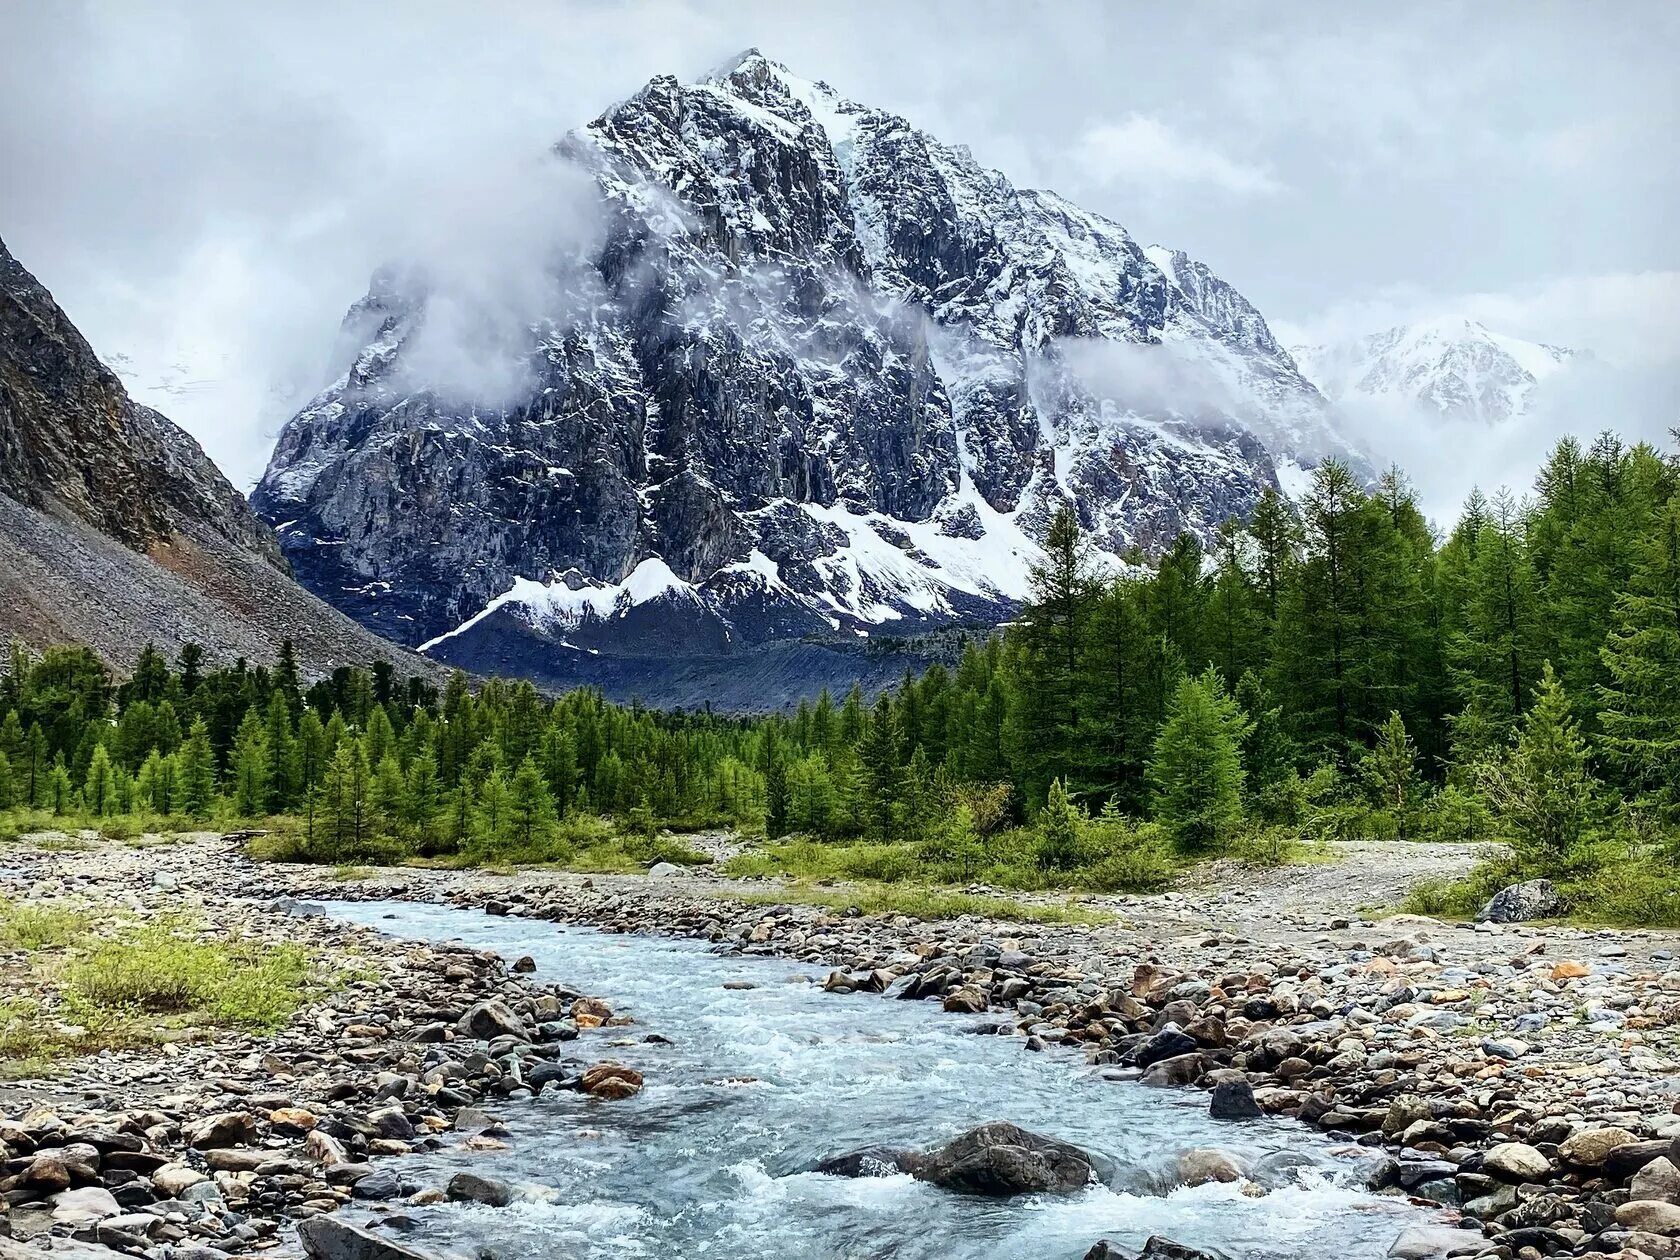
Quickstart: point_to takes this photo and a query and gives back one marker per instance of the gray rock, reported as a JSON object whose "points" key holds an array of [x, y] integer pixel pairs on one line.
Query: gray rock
{"points": [[1533, 899], [467, 1187], [490, 1019], [331, 1238], [1233, 1100], [1431, 1242], [1000, 1159]]}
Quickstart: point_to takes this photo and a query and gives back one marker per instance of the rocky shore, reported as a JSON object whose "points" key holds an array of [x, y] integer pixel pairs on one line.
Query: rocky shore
{"points": [[1522, 1077]]}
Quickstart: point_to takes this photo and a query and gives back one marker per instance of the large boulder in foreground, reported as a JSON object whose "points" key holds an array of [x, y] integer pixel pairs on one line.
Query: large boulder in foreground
{"points": [[1533, 899], [997, 1160], [1157, 1248]]}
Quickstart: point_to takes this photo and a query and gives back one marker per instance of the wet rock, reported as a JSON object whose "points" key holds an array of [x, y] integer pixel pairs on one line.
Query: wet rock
{"points": [[1204, 1164], [1233, 1100], [1533, 899], [1001, 1159], [611, 1080], [467, 1187], [867, 1161], [1169, 1043], [1185, 1069], [966, 1000], [381, 1184]]}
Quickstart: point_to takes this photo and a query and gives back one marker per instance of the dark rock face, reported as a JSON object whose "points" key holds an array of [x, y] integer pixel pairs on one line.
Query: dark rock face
{"points": [[997, 1160], [73, 442], [1535, 899], [816, 371], [115, 528], [329, 1238]]}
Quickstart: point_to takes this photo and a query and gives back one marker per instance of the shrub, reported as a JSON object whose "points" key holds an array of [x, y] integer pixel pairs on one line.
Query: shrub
{"points": [[40, 926]]}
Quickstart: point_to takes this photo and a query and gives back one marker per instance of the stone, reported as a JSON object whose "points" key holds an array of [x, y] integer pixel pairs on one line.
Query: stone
{"points": [[487, 1020], [173, 1179], [1569, 970], [1519, 903], [1653, 1215], [1001, 1159], [1233, 1100], [1204, 1164], [611, 1080], [867, 1161], [1659, 1179], [331, 1238], [229, 1128], [1516, 1161], [1431, 1242], [966, 1000], [665, 870], [1591, 1147], [467, 1187], [47, 1172], [1169, 1043], [84, 1206]]}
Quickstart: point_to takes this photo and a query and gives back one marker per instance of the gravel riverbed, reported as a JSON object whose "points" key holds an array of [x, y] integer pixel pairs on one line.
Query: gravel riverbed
{"points": [[1521, 1078]]}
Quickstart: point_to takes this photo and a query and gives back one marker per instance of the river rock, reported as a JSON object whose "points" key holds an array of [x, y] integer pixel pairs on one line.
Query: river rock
{"points": [[1533, 899], [1204, 1164], [330, 1238], [1233, 1100], [466, 1187], [174, 1179], [84, 1206], [1169, 1043], [1591, 1147], [1517, 1161], [229, 1128], [490, 1019], [1653, 1215], [1431, 1242], [610, 1080], [866, 1161], [1659, 1179], [1000, 1159]]}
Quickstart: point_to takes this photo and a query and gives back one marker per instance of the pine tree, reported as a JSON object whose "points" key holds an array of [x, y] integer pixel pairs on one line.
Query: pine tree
{"points": [[492, 821], [422, 800], [100, 794], [776, 801], [1197, 772], [530, 808], [249, 766], [387, 796], [282, 789], [1542, 794], [1391, 774], [1057, 845], [880, 772], [1640, 714], [344, 813], [156, 785], [196, 772], [8, 787], [310, 753], [60, 790]]}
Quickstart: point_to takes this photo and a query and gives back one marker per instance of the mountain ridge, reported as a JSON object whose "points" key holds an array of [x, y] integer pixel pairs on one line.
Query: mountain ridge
{"points": [[823, 374]]}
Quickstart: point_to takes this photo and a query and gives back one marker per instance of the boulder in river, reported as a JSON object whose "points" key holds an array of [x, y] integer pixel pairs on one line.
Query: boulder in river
{"points": [[490, 1019], [1157, 1248], [610, 1080], [867, 1161], [1001, 1159], [330, 1238], [1532, 899], [1233, 1100], [468, 1187]]}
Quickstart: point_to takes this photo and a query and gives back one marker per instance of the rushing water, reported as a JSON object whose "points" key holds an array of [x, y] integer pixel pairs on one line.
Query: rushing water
{"points": [[761, 1082]]}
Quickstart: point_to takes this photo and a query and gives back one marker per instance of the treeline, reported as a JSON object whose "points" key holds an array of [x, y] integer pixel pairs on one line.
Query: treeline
{"points": [[1332, 670], [362, 765]]}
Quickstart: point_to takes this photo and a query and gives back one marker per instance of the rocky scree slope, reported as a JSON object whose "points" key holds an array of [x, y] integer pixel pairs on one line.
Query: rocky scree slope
{"points": [[115, 528], [816, 372]]}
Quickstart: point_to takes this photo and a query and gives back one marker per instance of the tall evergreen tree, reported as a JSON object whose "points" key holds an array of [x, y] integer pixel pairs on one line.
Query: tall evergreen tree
{"points": [[196, 772], [1197, 772]]}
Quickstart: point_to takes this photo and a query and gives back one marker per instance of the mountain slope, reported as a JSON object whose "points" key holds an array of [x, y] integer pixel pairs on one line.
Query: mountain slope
{"points": [[1453, 366], [817, 372], [115, 528]]}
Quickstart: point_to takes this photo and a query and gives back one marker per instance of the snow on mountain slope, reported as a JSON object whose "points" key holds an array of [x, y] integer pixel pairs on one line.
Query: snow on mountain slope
{"points": [[819, 372], [1452, 365]]}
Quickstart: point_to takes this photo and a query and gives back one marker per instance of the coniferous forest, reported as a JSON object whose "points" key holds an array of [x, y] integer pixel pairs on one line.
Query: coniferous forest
{"points": [[1326, 671]]}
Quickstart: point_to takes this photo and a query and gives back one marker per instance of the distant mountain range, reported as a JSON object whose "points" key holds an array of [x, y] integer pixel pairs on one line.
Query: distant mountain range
{"points": [[1452, 365], [822, 376]]}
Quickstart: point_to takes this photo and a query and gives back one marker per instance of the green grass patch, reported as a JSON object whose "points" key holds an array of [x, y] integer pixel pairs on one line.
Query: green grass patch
{"points": [[48, 925], [163, 969], [921, 902]]}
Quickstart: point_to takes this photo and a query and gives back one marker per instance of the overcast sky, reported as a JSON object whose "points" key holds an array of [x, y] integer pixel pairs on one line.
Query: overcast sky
{"points": [[209, 183]]}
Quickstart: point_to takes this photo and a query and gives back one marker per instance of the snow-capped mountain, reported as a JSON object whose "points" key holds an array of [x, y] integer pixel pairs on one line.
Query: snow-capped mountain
{"points": [[1452, 365], [819, 372]]}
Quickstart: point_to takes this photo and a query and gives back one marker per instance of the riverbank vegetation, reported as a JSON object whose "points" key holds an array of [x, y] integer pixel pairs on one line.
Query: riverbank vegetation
{"points": [[79, 980], [1334, 671]]}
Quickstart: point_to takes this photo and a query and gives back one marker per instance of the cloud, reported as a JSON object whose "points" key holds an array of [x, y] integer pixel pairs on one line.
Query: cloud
{"points": [[1146, 151]]}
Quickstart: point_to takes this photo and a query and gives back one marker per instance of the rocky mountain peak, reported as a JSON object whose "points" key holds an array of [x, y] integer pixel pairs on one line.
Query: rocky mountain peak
{"points": [[822, 373]]}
